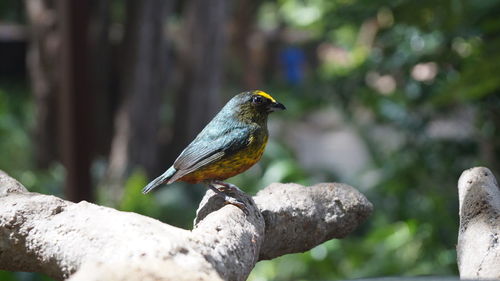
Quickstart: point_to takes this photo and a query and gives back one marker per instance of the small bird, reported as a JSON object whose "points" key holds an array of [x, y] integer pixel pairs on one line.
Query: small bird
{"points": [[230, 144]]}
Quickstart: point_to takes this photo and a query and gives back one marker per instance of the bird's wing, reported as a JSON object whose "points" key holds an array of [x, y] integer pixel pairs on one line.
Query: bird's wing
{"points": [[208, 147]]}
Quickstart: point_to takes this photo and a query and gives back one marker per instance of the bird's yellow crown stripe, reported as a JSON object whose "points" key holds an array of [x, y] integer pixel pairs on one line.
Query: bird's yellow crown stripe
{"points": [[266, 95]]}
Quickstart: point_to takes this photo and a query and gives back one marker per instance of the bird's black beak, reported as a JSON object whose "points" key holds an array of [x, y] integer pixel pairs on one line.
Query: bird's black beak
{"points": [[275, 106]]}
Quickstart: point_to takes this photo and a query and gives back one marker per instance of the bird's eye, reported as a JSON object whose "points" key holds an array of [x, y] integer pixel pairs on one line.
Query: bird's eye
{"points": [[257, 100]]}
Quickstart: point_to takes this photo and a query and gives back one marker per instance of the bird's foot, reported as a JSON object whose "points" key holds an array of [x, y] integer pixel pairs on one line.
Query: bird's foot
{"points": [[226, 187], [228, 199], [235, 202]]}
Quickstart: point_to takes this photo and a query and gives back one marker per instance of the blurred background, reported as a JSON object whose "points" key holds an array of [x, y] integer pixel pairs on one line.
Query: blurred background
{"points": [[395, 98]]}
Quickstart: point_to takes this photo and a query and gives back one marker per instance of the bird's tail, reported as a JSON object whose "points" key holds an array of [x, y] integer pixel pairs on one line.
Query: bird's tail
{"points": [[159, 180]]}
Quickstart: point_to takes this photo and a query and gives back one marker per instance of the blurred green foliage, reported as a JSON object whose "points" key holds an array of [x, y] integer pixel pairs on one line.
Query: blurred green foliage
{"points": [[414, 226], [404, 64]]}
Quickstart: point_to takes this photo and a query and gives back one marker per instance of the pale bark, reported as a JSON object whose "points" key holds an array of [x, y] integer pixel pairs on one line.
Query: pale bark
{"points": [[84, 241], [478, 247]]}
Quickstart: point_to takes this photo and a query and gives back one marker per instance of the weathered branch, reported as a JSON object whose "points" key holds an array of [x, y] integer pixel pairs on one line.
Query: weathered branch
{"points": [[478, 248], [298, 218], [88, 242]]}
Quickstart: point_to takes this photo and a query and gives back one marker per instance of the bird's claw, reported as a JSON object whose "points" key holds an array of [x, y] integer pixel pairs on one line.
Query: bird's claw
{"points": [[220, 188], [227, 187], [235, 202]]}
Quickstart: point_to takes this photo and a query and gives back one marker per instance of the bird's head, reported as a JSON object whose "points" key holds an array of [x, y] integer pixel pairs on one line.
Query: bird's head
{"points": [[254, 105]]}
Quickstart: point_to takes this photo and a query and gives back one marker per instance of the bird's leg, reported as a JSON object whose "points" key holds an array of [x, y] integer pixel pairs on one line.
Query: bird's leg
{"points": [[225, 186], [228, 199]]}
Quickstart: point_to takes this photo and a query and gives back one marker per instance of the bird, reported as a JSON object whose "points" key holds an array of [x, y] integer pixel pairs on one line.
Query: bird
{"points": [[232, 142]]}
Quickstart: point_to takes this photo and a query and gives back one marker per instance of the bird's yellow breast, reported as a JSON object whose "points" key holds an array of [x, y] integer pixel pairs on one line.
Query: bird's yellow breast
{"points": [[231, 165]]}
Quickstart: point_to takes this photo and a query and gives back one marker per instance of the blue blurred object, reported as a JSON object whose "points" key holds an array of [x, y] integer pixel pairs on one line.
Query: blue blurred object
{"points": [[292, 60]]}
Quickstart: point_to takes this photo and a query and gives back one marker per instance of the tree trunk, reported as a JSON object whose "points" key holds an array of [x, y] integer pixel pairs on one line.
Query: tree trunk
{"points": [[44, 47], [75, 100], [100, 79], [68, 70], [137, 122], [202, 65], [248, 44]]}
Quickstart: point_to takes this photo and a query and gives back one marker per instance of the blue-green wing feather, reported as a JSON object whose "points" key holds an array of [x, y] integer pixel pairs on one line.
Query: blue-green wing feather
{"points": [[208, 147], [212, 144]]}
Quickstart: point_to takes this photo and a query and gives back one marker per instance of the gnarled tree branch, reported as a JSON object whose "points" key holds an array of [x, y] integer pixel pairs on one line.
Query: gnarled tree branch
{"points": [[88, 242]]}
